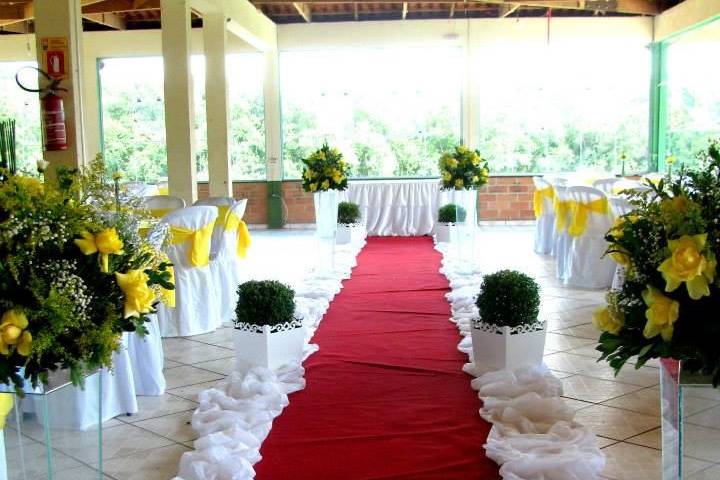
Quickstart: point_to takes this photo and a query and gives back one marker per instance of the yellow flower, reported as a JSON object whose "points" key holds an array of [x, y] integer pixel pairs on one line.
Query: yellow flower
{"points": [[13, 333], [105, 242], [475, 159], [608, 320], [661, 314], [675, 206], [168, 296], [118, 175], [312, 186], [688, 264], [459, 183], [475, 179], [484, 171], [671, 159], [462, 149], [620, 256], [309, 174], [138, 296], [337, 176], [32, 185], [447, 176], [325, 185], [452, 162]]}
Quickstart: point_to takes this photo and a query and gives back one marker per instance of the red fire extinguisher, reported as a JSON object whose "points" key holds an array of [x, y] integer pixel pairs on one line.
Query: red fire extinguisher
{"points": [[53, 112]]}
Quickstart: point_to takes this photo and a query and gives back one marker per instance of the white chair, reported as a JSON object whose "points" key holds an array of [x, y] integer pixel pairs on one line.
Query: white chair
{"points": [[226, 266], [146, 360], [223, 205], [626, 185], [619, 206], [561, 239], [196, 310], [161, 205], [587, 265], [605, 185], [544, 215]]}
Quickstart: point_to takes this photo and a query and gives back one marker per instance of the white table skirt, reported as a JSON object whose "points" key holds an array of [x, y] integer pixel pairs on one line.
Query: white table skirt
{"points": [[396, 207]]}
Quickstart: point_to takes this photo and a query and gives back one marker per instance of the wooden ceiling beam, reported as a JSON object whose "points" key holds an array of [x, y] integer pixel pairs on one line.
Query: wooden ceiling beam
{"points": [[507, 10], [452, 10], [121, 6], [638, 7], [304, 9], [356, 12], [404, 10], [112, 20]]}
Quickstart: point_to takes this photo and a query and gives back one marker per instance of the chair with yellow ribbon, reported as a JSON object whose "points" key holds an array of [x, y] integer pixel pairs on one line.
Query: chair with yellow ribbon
{"points": [[587, 266], [223, 204], [606, 185], [227, 268], [161, 205], [544, 215], [196, 310], [561, 239]]}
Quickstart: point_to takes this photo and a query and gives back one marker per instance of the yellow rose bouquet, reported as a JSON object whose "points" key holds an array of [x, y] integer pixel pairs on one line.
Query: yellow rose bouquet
{"points": [[463, 169], [669, 245], [74, 275], [325, 170]]}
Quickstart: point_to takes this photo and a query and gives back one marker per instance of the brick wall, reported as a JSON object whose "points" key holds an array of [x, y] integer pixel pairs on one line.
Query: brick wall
{"points": [[503, 198]]}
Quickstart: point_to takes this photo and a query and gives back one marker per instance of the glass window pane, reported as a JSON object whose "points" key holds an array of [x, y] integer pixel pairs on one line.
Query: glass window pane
{"points": [[24, 107], [390, 111]]}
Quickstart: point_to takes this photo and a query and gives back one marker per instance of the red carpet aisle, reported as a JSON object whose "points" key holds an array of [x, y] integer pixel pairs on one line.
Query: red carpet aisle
{"points": [[385, 396]]}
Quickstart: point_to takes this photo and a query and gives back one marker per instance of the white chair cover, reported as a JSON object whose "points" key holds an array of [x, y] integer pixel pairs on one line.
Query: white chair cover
{"points": [[75, 408], [588, 266], [196, 310], [545, 223], [605, 185], [168, 202], [619, 206], [561, 247], [146, 360], [226, 269], [227, 202], [629, 185]]}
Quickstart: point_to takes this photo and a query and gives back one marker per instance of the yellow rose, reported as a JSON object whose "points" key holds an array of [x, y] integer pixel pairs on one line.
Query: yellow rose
{"points": [[661, 314], [138, 296], [462, 149], [452, 162], [105, 242], [476, 179], [475, 159], [308, 174], [687, 264], [33, 186], [325, 185], [447, 176], [336, 176], [459, 183], [13, 333], [675, 207], [118, 175], [312, 186], [608, 320], [620, 256], [168, 296]]}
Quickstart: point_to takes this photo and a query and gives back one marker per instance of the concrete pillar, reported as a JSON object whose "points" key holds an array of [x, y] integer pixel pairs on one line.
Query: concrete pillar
{"points": [[272, 117], [470, 103], [58, 22], [216, 98], [179, 116]]}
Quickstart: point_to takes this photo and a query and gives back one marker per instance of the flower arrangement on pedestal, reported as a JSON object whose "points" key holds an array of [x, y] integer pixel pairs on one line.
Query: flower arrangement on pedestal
{"points": [[463, 169], [325, 170], [74, 275], [669, 246]]}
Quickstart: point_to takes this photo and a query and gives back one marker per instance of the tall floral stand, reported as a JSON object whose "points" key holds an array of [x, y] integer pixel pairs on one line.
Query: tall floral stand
{"points": [[690, 432], [35, 442], [326, 211], [464, 233]]}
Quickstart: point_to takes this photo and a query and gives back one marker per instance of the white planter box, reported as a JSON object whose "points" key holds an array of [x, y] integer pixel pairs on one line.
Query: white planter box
{"points": [[506, 348], [443, 232], [270, 347], [350, 233]]}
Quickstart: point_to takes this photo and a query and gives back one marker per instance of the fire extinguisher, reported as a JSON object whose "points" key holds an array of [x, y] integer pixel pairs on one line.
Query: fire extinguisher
{"points": [[53, 112]]}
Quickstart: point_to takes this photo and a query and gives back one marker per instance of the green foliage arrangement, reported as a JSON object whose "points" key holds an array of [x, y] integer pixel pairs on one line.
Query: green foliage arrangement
{"points": [[451, 213], [348, 213], [463, 169], [74, 275], [669, 245], [265, 302], [509, 298], [325, 170], [8, 157]]}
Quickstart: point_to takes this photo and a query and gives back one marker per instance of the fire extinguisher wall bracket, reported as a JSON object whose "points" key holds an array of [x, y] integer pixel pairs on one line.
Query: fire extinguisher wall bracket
{"points": [[53, 112]]}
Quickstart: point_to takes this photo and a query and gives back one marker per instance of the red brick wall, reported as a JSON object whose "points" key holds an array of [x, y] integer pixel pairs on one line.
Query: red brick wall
{"points": [[503, 198]]}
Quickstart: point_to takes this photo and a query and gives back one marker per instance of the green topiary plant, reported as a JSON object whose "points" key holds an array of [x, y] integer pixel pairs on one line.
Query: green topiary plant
{"points": [[266, 302], [348, 213], [509, 298], [451, 213]]}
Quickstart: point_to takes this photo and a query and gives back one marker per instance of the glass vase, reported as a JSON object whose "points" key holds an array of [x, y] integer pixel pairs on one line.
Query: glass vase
{"points": [[465, 230], [690, 408], [326, 210], [53, 431]]}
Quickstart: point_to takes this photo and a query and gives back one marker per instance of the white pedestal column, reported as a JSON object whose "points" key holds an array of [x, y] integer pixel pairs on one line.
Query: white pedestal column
{"points": [[179, 115], [216, 98], [272, 117]]}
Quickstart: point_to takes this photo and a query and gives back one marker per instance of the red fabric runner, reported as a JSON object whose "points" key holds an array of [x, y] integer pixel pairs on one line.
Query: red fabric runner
{"points": [[385, 396]]}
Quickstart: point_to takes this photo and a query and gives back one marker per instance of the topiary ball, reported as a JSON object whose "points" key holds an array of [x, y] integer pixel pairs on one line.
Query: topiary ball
{"points": [[348, 213], [508, 298], [265, 302], [451, 213]]}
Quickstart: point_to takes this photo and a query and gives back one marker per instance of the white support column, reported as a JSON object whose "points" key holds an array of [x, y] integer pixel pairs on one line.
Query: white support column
{"points": [[179, 117], [61, 19], [273, 130], [216, 98], [469, 105]]}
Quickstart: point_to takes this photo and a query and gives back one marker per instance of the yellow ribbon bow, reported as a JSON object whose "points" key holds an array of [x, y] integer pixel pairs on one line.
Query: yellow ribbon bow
{"points": [[199, 253], [581, 212], [243, 234], [562, 209], [540, 195], [160, 212], [6, 404]]}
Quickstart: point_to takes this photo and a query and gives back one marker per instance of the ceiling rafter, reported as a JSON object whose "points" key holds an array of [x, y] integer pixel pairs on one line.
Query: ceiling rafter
{"points": [[112, 20], [304, 9]]}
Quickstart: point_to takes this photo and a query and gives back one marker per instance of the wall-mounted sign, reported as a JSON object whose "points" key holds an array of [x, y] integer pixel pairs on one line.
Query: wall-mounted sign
{"points": [[55, 56]]}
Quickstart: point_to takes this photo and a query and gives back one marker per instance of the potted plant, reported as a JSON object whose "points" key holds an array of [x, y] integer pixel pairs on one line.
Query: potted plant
{"points": [[350, 229], [448, 216], [266, 331], [508, 334]]}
